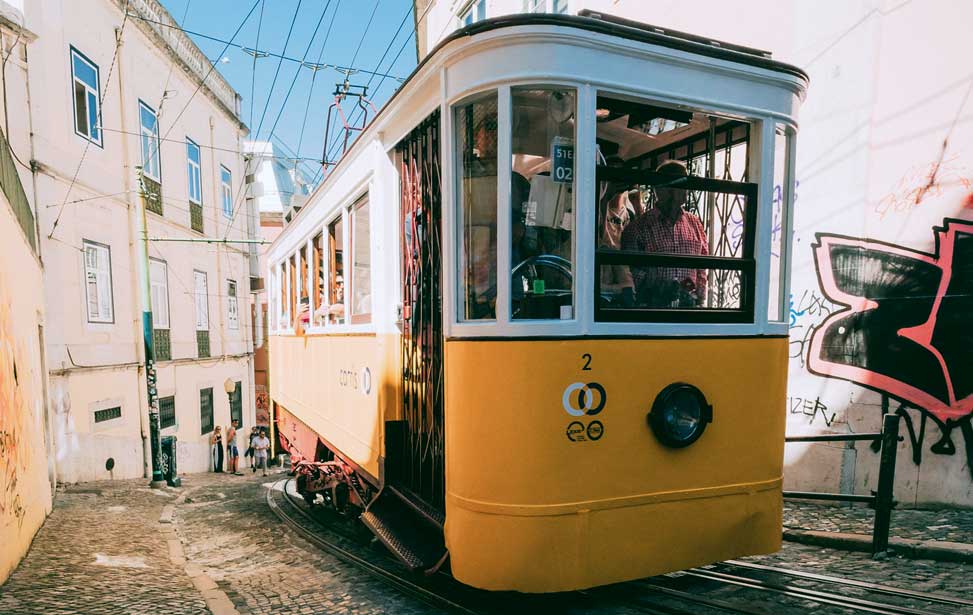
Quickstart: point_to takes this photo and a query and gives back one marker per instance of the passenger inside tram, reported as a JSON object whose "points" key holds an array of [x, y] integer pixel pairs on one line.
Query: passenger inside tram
{"points": [[650, 153]]}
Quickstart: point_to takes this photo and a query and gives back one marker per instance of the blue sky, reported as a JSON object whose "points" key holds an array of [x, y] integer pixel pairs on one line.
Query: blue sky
{"points": [[346, 19]]}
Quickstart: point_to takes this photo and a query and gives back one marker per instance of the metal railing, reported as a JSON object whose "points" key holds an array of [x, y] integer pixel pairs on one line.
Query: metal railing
{"points": [[14, 190], [881, 499]]}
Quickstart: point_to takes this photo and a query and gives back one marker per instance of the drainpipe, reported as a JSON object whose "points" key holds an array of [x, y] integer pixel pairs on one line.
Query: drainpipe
{"points": [[133, 244]]}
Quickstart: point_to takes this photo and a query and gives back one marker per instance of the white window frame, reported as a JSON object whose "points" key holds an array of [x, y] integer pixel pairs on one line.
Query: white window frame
{"points": [[194, 172], [232, 305], [159, 289], [151, 168], [90, 92], [474, 12], [201, 299], [558, 7], [102, 279], [226, 192]]}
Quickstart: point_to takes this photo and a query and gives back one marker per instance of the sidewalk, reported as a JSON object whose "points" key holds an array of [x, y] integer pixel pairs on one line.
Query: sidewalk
{"points": [[944, 534]]}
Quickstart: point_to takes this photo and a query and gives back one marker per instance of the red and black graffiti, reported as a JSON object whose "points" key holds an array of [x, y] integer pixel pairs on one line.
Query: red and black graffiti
{"points": [[905, 329]]}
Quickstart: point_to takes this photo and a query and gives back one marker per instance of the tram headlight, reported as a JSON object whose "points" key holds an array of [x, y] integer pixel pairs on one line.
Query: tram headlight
{"points": [[679, 415]]}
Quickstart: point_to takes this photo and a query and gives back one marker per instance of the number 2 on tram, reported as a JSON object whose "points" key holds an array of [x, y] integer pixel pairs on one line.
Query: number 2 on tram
{"points": [[546, 337]]}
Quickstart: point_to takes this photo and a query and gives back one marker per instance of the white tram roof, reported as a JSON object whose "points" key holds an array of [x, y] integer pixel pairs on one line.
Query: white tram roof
{"points": [[489, 51]]}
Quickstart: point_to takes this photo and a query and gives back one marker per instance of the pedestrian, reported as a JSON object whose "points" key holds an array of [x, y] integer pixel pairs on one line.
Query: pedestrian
{"points": [[232, 452], [261, 447], [216, 442], [250, 449]]}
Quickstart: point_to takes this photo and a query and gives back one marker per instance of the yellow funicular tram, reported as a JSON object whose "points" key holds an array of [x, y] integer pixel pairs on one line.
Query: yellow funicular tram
{"points": [[545, 293]]}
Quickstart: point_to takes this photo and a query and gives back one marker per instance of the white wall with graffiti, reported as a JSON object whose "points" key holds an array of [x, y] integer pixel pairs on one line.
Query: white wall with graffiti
{"points": [[25, 490], [881, 309]]}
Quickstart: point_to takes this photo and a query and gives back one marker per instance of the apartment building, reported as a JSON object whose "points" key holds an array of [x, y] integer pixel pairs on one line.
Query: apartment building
{"points": [[128, 108], [884, 168]]}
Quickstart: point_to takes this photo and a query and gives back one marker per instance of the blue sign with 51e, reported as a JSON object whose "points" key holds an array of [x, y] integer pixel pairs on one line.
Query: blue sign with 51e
{"points": [[562, 161]]}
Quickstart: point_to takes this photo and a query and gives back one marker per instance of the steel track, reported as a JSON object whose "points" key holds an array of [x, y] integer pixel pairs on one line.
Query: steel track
{"points": [[848, 602], [872, 587], [396, 580]]}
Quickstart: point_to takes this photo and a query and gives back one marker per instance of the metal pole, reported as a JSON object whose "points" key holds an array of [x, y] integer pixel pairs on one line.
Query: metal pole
{"points": [[148, 342], [886, 480]]}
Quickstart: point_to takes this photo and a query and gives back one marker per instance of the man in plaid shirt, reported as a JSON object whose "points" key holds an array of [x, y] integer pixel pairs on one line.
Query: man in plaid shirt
{"points": [[668, 229]]}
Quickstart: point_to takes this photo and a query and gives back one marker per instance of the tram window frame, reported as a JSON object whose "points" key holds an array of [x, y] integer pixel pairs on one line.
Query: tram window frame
{"points": [[463, 306], [338, 222], [352, 290], [319, 279], [782, 216], [749, 191]]}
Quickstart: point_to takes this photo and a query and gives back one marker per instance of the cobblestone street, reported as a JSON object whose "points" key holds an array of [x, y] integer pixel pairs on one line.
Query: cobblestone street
{"points": [[219, 549]]}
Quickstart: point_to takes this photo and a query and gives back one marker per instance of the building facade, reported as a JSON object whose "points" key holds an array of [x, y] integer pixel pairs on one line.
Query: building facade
{"points": [[885, 172], [278, 191], [128, 112]]}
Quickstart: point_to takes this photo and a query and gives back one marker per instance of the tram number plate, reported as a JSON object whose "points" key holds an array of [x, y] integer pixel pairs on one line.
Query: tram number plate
{"points": [[562, 170]]}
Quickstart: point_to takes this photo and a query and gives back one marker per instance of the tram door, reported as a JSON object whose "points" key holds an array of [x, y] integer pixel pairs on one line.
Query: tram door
{"points": [[420, 467]]}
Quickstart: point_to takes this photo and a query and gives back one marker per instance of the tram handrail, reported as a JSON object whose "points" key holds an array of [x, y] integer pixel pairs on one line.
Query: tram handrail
{"points": [[881, 499]]}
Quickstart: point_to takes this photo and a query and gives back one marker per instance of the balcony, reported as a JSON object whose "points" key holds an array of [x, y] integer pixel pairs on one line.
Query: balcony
{"points": [[14, 191]]}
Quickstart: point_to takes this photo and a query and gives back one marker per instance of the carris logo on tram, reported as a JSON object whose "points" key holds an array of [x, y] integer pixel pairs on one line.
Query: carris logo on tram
{"points": [[581, 399]]}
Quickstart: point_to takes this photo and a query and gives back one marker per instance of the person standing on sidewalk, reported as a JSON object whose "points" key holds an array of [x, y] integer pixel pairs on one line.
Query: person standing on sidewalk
{"points": [[254, 432], [232, 452], [216, 442], [261, 448]]}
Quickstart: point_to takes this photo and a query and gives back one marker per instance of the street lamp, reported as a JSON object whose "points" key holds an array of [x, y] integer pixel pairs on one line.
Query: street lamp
{"points": [[230, 387]]}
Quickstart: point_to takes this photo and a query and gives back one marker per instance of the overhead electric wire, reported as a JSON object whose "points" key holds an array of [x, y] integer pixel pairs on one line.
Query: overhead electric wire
{"points": [[263, 52], [212, 147], [330, 147], [273, 84], [172, 65], [314, 75], [212, 67], [253, 70], [297, 73]]}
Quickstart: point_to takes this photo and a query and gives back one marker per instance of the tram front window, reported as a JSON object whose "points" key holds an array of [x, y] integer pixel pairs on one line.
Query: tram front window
{"points": [[676, 214], [542, 203], [476, 138]]}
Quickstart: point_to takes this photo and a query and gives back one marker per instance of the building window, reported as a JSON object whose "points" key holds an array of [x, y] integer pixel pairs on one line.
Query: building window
{"points": [[232, 307], [201, 293], [361, 278], [236, 403], [206, 410], [167, 412], [546, 6], [149, 121], [87, 97], [226, 191], [159, 282], [98, 283], [193, 170], [476, 12], [108, 414]]}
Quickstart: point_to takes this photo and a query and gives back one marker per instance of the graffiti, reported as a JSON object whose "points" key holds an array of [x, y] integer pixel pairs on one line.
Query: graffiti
{"points": [[813, 408], [903, 328], [922, 182], [804, 317], [14, 415]]}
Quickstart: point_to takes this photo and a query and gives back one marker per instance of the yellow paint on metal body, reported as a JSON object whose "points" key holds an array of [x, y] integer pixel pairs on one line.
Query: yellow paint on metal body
{"points": [[342, 386], [529, 509]]}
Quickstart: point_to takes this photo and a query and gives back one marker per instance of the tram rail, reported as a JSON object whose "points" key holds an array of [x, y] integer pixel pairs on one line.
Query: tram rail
{"points": [[655, 596]]}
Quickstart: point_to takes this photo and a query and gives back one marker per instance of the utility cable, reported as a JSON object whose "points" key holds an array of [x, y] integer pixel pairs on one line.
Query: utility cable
{"points": [[273, 84], [314, 75]]}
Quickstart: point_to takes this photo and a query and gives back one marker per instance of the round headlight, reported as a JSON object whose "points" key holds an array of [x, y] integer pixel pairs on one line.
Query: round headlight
{"points": [[679, 415]]}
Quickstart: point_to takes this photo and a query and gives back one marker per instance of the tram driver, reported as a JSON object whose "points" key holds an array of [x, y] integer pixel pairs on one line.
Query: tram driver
{"points": [[668, 229]]}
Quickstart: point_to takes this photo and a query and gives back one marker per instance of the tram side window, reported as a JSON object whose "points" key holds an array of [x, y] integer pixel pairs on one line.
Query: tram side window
{"points": [[476, 140], [336, 282], [292, 288], [302, 297], [319, 302], [361, 278], [542, 204], [676, 214]]}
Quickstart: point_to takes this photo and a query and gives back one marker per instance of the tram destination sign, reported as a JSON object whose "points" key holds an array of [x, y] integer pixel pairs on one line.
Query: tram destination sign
{"points": [[562, 155]]}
